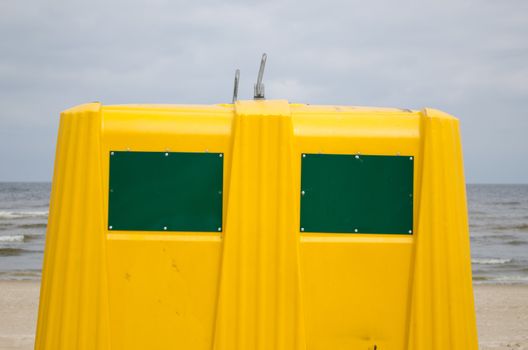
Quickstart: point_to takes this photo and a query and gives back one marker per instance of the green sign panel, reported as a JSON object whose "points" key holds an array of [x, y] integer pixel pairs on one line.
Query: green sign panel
{"points": [[165, 191], [357, 194]]}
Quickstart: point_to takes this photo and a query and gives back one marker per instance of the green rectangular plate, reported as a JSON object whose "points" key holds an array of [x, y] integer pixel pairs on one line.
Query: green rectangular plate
{"points": [[357, 193], [165, 191]]}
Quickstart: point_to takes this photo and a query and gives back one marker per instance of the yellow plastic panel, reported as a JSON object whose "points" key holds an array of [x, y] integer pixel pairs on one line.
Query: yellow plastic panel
{"points": [[261, 283], [356, 287], [73, 310], [260, 304], [162, 289], [356, 290], [163, 286], [442, 310]]}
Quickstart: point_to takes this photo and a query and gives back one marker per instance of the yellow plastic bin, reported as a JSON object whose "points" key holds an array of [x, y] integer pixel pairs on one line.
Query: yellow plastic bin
{"points": [[257, 225]]}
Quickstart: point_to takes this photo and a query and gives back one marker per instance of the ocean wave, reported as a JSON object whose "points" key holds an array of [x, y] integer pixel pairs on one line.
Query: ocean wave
{"points": [[510, 279], [23, 214], [506, 203], [490, 261], [518, 227], [33, 236], [7, 251], [500, 239], [12, 238], [20, 275], [40, 225], [501, 236], [6, 225], [480, 278]]}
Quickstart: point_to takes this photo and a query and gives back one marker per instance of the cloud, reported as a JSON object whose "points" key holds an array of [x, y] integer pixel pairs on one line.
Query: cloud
{"points": [[466, 57]]}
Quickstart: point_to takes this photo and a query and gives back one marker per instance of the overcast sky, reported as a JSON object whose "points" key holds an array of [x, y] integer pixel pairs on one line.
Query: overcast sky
{"points": [[468, 58]]}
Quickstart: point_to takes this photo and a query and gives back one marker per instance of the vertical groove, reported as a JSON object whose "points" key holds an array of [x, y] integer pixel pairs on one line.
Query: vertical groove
{"points": [[54, 215], [259, 291], [441, 278], [71, 276], [71, 317], [60, 244], [278, 267]]}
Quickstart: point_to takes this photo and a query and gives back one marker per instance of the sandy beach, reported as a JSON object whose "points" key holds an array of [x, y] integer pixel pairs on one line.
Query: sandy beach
{"points": [[18, 314], [502, 315]]}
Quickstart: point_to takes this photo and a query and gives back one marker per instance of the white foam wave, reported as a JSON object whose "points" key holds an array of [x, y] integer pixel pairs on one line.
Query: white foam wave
{"points": [[504, 280], [12, 238], [20, 275], [23, 214], [511, 279], [491, 261]]}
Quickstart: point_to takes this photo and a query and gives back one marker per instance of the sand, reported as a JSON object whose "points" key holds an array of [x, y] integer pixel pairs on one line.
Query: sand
{"points": [[502, 315], [18, 314]]}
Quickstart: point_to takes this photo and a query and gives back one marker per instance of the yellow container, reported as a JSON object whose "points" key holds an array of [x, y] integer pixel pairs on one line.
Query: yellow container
{"points": [[257, 225]]}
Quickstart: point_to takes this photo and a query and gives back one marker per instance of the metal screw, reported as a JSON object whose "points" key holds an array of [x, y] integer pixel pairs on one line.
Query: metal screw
{"points": [[165, 228], [410, 231], [220, 155], [357, 157], [304, 155], [110, 227], [302, 228], [166, 154], [302, 192], [111, 153], [219, 229], [410, 158], [355, 230]]}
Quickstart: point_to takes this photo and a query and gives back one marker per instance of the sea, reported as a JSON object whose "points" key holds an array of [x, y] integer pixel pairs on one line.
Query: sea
{"points": [[498, 223]]}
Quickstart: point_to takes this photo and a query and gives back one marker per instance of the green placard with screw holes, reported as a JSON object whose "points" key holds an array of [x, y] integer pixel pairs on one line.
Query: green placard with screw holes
{"points": [[165, 191], [357, 194]]}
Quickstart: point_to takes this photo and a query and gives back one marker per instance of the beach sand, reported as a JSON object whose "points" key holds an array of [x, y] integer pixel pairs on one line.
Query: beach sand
{"points": [[502, 315], [18, 314]]}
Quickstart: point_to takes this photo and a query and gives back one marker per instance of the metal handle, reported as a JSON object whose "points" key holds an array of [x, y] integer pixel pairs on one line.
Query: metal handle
{"points": [[259, 87], [235, 89]]}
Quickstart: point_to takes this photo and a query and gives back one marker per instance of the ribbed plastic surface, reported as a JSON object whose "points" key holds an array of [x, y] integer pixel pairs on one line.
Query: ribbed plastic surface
{"points": [[73, 312], [261, 283], [259, 305], [442, 307]]}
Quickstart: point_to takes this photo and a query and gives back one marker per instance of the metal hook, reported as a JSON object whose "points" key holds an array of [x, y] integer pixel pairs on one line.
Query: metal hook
{"points": [[259, 87], [235, 89]]}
